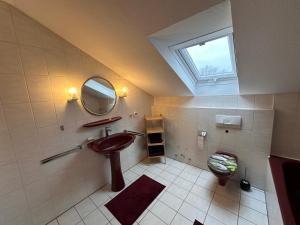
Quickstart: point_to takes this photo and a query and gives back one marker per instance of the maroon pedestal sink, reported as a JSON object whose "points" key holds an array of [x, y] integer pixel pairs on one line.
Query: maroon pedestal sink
{"points": [[111, 146]]}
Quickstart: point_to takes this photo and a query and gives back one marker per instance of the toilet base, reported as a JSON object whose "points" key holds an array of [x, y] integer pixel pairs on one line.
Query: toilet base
{"points": [[223, 180]]}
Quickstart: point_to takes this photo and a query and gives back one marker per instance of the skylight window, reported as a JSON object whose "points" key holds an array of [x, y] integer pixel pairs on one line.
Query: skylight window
{"points": [[208, 59], [211, 59]]}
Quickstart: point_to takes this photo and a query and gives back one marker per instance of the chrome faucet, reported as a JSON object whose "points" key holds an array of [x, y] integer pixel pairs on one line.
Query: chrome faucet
{"points": [[107, 131]]}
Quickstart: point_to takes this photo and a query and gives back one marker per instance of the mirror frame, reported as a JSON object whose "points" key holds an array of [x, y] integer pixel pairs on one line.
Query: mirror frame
{"points": [[89, 111]]}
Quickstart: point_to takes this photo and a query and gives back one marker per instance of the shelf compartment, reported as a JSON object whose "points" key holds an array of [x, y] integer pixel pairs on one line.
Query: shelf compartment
{"points": [[154, 138], [152, 130], [157, 150], [152, 118], [156, 144]]}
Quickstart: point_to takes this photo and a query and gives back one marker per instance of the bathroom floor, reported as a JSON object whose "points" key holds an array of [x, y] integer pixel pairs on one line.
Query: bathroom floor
{"points": [[191, 193]]}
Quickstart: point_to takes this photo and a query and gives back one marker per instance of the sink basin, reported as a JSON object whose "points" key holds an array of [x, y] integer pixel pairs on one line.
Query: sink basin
{"points": [[111, 146], [112, 143]]}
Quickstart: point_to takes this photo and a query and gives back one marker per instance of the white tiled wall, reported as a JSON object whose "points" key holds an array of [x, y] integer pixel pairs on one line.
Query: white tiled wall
{"points": [[251, 144], [36, 68], [286, 130]]}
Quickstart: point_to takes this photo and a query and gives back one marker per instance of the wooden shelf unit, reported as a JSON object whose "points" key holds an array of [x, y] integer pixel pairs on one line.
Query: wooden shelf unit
{"points": [[155, 131]]}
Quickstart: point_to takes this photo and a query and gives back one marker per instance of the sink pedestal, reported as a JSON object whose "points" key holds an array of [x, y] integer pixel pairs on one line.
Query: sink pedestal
{"points": [[117, 180]]}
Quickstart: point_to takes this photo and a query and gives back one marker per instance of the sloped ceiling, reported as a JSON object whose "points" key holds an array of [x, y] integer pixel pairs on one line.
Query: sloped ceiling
{"points": [[115, 33]]}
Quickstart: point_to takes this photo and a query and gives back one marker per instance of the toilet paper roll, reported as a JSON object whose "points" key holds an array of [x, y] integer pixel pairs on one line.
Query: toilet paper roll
{"points": [[200, 142]]}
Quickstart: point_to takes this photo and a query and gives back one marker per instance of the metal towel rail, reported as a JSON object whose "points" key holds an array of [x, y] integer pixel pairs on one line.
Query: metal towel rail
{"points": [[134, 133], [77, 148]]}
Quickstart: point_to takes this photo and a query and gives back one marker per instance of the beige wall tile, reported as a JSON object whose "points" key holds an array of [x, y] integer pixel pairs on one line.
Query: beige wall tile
{"points": [[33, 61], [33, 104], [27, 30], [264, 101], [12, 206], [6, 149], [3, 126], [13, 89], [18, 116], [44, 113], [6, 26], [56, 63], [10, 179], [9, 59], [39, 88]]}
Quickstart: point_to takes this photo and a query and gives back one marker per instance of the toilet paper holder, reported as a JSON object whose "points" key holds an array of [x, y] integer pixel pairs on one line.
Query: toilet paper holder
{"points": [[202, 133]]}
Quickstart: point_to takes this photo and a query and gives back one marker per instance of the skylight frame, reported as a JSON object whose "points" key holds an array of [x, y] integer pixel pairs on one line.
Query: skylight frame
{"points": [[186, 62]]}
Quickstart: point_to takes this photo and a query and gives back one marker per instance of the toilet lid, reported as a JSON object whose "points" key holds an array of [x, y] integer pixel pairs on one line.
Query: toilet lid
{"points": [[222, 163]]}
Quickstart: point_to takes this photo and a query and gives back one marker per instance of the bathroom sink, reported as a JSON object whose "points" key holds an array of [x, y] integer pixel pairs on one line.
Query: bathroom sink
{"points": [[112, 143], [111, 146]]}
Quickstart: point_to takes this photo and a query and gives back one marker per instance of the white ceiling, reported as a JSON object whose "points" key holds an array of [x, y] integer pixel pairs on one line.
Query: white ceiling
{"points": [[102, 29], [267, 35], [115, 32]]}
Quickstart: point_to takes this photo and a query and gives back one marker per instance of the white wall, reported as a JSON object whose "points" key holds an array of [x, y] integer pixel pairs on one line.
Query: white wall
{"points": [[274, 213], [36, 68], [252, 143]]}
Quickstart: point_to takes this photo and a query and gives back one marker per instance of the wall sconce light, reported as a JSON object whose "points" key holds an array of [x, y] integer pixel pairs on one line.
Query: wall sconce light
{"points": [[72, 94], [123, 92]]}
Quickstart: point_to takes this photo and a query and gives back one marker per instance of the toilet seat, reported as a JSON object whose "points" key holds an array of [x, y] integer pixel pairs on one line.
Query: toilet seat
{"points": [[223, 165]]}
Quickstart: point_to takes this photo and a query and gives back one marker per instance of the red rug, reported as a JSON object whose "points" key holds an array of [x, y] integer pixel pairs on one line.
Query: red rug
{"points": [[196, 222], [132, 201]]}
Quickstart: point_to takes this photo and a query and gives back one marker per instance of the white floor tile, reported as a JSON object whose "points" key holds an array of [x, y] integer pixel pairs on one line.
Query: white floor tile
{"points": [[168, 176], [183, 183], [193, 170], [223, 215], [242, 221], [209, 220], [253, 216], [106, 212], [155, 170], [161, 165], [85, 207], [255, 193], [180, 220], [177, 191], [70, 217], [149, 174], [150, 219], [192, 213], [130, 175], [198, 202], [226, 203], [142, 216], [231, 191], [99, 197], [115, 222], [191, 193], [171, 200], [254, 204], [173, 170], [162, 181], [80, 223], [179, 165], [188, 176], [138, 170], [95, 218], [210, 184], [164, 212], [202, 192], [54, 222]]}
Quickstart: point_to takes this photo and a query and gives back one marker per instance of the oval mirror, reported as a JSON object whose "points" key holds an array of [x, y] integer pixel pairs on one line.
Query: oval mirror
{"points": [[98, 96]]}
